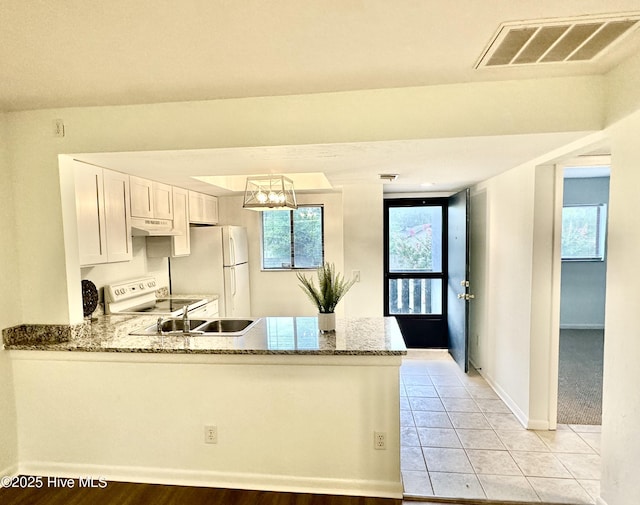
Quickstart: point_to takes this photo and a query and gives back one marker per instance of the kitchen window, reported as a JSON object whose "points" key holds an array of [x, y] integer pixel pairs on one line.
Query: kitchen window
{"points": [[293, 239]]}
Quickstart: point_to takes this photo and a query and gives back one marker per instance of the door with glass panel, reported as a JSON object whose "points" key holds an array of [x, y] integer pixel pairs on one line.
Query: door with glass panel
{"points": [[415, 269]]}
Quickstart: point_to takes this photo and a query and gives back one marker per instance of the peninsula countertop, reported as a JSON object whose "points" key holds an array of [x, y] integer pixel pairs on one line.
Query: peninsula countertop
{"points": [[367, 336]]}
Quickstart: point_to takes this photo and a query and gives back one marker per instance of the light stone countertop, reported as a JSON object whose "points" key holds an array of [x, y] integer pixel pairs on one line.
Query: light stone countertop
{"points": [[371, 336]]}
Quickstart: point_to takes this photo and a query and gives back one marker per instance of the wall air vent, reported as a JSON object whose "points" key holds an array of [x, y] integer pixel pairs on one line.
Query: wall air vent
{"points": [[555, 41]]}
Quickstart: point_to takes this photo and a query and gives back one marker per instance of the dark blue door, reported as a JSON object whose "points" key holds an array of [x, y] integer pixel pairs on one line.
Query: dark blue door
{"points": [[458, 295]]}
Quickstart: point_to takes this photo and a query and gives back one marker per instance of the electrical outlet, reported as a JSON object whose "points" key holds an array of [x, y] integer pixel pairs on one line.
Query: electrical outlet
{"points": [[210, 434], [379, 440]]}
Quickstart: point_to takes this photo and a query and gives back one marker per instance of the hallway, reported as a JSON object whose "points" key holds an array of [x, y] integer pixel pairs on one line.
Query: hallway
{"points": [[460, 440]]}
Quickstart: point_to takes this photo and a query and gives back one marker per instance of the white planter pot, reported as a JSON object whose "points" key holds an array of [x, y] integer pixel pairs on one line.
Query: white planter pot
{"points": [[326, 321]]}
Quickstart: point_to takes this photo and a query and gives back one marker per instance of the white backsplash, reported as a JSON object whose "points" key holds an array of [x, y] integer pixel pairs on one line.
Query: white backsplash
{"points": [[139, 266]]}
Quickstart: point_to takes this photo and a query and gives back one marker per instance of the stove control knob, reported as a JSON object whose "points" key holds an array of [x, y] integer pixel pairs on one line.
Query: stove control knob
{"points": [[141, 286]]}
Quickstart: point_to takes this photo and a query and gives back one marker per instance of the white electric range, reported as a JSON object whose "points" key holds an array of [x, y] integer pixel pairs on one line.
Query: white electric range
{"points": [[138, 296]]}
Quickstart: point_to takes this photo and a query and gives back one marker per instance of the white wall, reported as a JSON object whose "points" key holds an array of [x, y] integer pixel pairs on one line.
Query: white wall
{"points": [[10, 308], [508, 284], [139, 266], [621, 403], [363, 249], [278, 293], [284, 423]]}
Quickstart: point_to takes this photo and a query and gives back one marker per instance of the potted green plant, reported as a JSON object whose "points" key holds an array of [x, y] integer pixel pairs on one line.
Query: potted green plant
{"points": [[331, 288]]}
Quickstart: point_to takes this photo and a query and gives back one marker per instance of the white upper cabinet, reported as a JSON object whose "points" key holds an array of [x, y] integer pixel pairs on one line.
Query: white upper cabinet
{"points": [[89, 189], [162, 201], [203, 209], [102, 213], [176, 245], [150, 199], [116, 212], [141, 197], [181, 244]]}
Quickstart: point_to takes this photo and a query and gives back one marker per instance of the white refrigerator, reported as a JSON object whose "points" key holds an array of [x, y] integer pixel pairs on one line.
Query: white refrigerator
{"points": [[218, 264]]}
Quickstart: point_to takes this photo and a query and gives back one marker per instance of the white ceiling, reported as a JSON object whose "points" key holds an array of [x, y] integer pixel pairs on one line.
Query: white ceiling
{"points": [[96, 52]]}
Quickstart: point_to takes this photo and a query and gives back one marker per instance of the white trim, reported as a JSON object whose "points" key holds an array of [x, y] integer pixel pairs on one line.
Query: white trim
{"points": [[10, 471], [600, 501], [556, 296], [204, 478], [540, 425], [521, 416]]}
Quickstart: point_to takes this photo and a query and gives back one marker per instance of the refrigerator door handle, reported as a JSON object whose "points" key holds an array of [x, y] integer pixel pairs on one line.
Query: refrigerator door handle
{"points": [[233, 280], [232, 250]]}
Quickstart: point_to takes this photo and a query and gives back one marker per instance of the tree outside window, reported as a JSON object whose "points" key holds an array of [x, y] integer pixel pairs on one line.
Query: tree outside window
{"points": [[293, 238], [583, 232]]}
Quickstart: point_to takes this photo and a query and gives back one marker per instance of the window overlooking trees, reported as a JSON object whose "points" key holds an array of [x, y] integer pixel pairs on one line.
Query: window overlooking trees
{"points": [[293, 238], [583, 232], [414, 249], [412, 244]]}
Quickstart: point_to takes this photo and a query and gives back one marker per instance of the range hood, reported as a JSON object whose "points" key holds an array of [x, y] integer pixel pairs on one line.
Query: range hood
{"points": [[149, 227]]}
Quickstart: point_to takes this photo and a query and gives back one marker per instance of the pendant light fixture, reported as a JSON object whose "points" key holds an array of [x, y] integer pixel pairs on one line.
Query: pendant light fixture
{"points": [[269, 192]]}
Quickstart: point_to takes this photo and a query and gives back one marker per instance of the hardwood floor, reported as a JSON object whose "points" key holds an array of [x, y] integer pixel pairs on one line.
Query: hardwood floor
{"points": [[123, 493]]}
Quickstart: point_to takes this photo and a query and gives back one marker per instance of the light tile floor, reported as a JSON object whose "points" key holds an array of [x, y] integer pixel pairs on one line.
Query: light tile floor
{"points": [[459, 440]]}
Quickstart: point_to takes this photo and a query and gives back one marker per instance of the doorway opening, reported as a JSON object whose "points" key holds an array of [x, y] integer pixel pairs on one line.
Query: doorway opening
{"points": [[426, 271], [582, 294], [415, 269]]}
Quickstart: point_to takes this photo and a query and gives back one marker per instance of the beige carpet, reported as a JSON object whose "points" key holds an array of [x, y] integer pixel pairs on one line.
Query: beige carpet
{"points": [[580, 377]]}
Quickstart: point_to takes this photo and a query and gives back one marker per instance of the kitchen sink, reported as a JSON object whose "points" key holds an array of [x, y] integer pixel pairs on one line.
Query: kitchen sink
{"points": [[228, 327], [172, 325], [225, 325]]}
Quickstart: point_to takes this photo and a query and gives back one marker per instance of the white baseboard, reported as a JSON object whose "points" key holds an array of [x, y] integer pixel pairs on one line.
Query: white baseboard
{"points": [[522, 418], [530, 424], [204, 478], [10, 471], [537, 424]]}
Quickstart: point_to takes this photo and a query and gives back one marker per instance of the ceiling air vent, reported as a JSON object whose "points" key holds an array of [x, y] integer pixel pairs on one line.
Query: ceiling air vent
{"points": [[554, 41]]}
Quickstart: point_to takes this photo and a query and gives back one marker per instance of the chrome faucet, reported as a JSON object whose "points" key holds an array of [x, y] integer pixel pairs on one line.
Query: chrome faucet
{"points": [[159, 325], [186, 326]]}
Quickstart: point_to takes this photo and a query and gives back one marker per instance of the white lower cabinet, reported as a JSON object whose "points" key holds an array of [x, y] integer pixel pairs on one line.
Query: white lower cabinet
{"points": [[102, 212]]}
